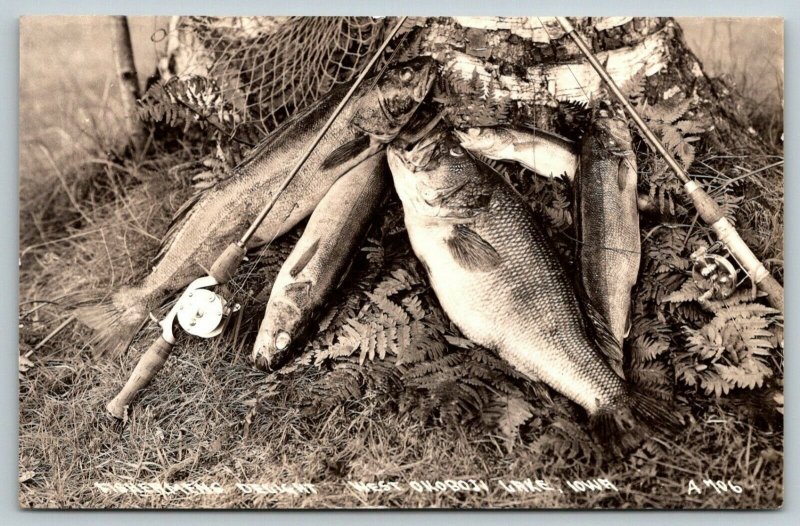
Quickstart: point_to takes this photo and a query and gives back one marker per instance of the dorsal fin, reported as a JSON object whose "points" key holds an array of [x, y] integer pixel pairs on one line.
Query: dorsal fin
{"points": [[279, 132], [305, 257], [556, 137], [178, 219]]}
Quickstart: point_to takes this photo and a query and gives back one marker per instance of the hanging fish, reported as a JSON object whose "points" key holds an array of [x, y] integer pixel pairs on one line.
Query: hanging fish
{"points": [[607, 223]]}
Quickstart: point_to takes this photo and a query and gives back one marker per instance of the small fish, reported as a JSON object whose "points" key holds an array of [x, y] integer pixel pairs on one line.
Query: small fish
{"points": [[608, 220], [319, 261], [498, 278], [208, 223], [543, 153]]}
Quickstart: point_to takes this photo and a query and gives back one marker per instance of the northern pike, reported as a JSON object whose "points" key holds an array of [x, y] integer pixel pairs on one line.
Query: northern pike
{"points": [[319, 260], [543, 153], [608, 219], [498, 278], [206, 225]]}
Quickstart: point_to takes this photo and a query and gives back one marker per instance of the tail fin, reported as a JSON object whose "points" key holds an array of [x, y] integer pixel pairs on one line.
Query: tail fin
{"points": [[623, 427], [115, 321]]}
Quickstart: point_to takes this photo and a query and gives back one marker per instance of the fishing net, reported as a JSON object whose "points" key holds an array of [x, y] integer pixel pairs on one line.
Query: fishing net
{"points": [[268, 67]]}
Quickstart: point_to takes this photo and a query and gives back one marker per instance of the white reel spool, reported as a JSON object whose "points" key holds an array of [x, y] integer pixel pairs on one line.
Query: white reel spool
{"points": [[202, 313]]}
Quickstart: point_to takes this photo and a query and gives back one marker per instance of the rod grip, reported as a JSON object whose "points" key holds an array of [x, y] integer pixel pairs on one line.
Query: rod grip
{"points": [[149, 364], [774, 291], [226, 264], [705, 205]]}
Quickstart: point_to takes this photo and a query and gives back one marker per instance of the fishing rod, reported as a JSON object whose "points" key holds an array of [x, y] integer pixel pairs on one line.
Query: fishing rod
{"points": [[200, 311], [705, 205]]}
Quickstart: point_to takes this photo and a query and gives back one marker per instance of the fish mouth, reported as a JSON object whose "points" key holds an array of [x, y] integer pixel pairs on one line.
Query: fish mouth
{"points": [[270, 354], [418, 156], [426, 68], [425, 86], [469, 137]]}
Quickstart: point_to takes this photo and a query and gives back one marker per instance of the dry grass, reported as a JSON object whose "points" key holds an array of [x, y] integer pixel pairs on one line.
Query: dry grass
{"points": [[91, 220]]}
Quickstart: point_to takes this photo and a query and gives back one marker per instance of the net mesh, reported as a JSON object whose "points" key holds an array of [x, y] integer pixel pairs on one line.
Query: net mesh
{"points": [[268, 67]]}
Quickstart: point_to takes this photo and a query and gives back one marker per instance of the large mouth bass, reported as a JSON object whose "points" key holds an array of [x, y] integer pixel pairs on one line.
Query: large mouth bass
{"points": [[608, 219], [500, 281], [319, 261], [206, 225]]}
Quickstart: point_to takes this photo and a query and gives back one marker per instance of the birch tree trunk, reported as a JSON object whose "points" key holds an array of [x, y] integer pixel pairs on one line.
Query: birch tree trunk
{"points": [[128, 78]]}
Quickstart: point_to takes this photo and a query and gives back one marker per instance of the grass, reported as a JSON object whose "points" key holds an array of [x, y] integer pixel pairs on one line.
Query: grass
{"points": [[91, 218]]}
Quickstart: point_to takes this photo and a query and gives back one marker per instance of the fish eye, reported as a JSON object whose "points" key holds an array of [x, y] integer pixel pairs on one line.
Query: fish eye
{"points": [[282, 340], [406, 74], [456, 152]]}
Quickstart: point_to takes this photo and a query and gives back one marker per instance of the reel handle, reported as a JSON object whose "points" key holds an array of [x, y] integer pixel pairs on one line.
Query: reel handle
{"points": [[149, 364]]}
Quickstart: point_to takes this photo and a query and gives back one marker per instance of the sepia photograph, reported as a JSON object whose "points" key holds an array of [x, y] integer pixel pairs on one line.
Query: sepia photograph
{"points": [[352, 262]]}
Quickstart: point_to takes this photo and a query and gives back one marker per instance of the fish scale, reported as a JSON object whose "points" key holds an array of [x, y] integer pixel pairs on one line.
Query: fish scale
{"points": [[530, 284], [210, 222], [498, 278], [319, 261], [608, 220]]}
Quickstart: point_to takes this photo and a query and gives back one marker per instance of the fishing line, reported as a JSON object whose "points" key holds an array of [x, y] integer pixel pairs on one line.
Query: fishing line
{"points": [[555, 49], [265, 211], [604, 146], [578, 82], [378, 76], [261, 254]]}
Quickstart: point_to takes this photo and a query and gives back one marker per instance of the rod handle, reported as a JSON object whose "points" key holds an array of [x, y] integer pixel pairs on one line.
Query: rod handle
{"points": [[774, 291], [705, 205], [149, 364], [226, 264]]}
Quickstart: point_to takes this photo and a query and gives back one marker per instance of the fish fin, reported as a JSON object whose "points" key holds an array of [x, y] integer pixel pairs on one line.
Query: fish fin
{"points": [[653, 412], [576, 203], [346, 152], [115, 325], [298, 292], [471, 251], [345, 273], [624, 426], [178, 219], [628, 323], [616, 428], [304, 259], [600, 331], [626, 174]]}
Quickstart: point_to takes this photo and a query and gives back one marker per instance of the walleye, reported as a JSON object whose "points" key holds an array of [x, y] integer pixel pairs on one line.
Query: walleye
{"points": [[500, 281], [207, 224], [319, 261], [608, 220], [541, 152]]}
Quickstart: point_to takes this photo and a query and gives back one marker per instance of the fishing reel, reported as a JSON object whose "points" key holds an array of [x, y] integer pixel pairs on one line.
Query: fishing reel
{"points": [[199, 311], [713, 273]]}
